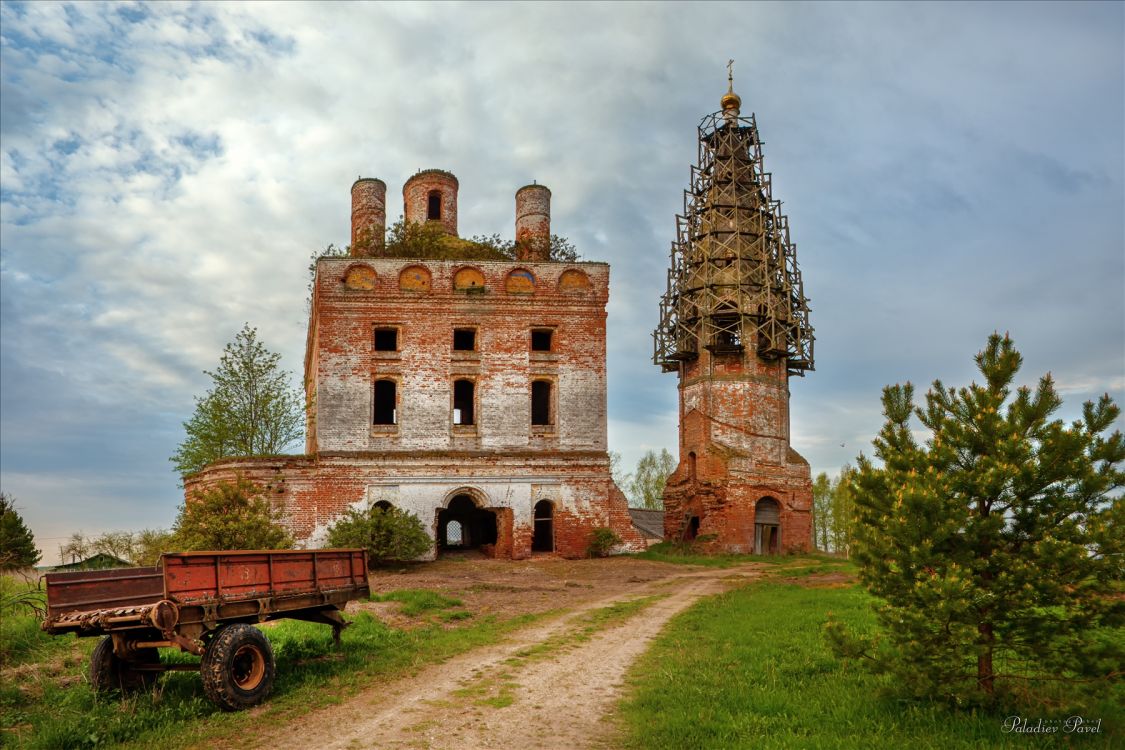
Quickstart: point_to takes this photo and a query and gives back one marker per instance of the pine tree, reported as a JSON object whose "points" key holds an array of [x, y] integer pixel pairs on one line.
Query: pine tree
{"points": [[17, 544], [994, 549], [251, 410]]}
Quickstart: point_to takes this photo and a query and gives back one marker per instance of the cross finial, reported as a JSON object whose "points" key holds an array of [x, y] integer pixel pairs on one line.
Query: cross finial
{"points": [[730, 75]]}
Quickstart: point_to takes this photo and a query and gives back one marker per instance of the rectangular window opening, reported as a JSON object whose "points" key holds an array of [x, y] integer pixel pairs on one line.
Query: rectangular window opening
{"points": [[462, 402], [386, 339], [541, 339], [386, 412], [464, 339], [541, 402]]}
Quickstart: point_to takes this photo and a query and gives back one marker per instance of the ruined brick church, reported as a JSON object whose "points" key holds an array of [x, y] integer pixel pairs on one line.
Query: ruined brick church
{"points": [[471, 392]]}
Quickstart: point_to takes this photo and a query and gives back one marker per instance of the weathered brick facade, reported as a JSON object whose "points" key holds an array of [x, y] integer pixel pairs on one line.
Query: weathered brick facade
{"points": [[439, 385]]}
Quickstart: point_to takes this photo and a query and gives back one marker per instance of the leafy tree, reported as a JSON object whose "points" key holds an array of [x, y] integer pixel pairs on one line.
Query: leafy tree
{"points": [[230, 515], [17, 543], [150, 544], [388, 534], [841, 521], [647, 487], [76, 548], [119, 544], [994, 549], [822, 510], [251, 409], [621, 478]]}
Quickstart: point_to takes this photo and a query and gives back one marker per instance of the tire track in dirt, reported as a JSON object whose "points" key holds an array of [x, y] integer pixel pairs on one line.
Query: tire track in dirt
{"points": [[558, 699]]}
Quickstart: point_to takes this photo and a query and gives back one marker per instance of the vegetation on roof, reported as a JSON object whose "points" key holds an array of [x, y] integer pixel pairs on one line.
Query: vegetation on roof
{"points": [[406, 239]]}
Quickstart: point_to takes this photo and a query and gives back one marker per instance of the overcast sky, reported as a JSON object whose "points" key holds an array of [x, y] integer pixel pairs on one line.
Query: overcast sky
{"points": [[166, 171]]}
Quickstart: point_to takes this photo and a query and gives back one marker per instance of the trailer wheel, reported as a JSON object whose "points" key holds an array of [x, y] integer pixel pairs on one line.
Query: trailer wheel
{"points": [[238, 667], [109, 672]]}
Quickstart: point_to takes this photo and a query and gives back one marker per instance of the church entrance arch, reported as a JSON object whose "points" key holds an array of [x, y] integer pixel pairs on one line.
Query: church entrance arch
{"points": [[767, 527], [463, 525]]}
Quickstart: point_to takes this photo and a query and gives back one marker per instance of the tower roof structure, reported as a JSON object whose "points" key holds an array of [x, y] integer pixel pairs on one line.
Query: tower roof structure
{"points": [[733, 283]]}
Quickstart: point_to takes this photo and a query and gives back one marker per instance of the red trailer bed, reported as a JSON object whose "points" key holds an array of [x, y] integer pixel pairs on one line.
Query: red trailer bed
{"points": [[204, 603]]}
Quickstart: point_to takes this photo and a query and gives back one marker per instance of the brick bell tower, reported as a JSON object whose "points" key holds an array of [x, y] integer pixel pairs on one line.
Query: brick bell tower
{"points": [[734, 324]]}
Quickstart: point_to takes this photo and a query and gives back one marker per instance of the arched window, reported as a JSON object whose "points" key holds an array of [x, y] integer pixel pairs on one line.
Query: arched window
{"points": [[386, 411], [463, 402], [541, 402], [433, 206], [543, 535]]}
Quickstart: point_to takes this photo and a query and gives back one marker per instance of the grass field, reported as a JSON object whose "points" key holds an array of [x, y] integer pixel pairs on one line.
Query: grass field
{"points": [[45, 701], [751, 669]]}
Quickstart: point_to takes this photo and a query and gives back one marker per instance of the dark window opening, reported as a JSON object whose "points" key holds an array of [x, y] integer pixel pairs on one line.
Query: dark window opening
{"points": [[728, 336], [463, 402], [464, 339], [541, 340], [543, 537], [386, 339], [383, 505], [385, 402], [692, 529], [691, 465], [433, 207], [541, 402], [465, 526]]}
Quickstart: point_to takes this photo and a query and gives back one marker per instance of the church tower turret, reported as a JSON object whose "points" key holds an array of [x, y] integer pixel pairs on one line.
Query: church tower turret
{"points": [[734, 324]]}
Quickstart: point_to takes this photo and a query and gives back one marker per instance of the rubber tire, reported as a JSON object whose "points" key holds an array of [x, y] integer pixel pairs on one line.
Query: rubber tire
{"points": [[109, 672], [238, 668]]}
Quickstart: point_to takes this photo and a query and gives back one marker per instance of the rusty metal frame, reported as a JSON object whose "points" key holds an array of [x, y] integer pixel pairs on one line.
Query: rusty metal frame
{"points": [[733, 283]]}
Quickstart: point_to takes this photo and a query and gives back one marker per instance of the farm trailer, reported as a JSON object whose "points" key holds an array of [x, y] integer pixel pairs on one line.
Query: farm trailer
{"points": [[203, 603]]}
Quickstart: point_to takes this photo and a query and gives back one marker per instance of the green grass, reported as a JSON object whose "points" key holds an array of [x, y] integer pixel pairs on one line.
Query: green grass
{"points": [[751, 669], [21, 639], [417, 601], [52, 706]]}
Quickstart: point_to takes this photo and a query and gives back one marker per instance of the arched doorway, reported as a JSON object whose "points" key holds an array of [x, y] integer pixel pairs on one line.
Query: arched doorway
{"points": [[462, 525], [543, 536], [767, 527]]}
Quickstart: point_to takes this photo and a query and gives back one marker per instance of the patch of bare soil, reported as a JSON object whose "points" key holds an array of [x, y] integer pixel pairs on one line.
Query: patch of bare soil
{"points": [[551, 685], [510, 588]]}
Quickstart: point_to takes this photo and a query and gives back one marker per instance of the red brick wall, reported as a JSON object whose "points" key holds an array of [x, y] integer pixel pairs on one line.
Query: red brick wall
{"points": [[734, 419]]}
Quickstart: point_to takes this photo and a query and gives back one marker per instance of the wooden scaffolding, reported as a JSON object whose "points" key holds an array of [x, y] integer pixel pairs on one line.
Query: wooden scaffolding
{"points": [[733, 284]]}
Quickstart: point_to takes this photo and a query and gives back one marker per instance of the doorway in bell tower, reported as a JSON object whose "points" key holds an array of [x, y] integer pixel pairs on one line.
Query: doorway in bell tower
{"points": [[767, 527]]}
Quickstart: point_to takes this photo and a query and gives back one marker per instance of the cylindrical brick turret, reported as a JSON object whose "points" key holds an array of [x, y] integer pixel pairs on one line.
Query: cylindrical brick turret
{"points": [[369, 215], [533, 223], [431, 195]]}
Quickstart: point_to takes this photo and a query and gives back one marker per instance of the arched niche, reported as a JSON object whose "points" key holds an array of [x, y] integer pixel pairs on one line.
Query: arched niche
{"points": [[360, 277], [414, 279], [520, 281], [468, 279], [573, 281]]}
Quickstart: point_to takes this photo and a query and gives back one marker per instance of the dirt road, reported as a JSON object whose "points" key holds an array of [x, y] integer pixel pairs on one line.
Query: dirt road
{"points": [[551, 685]]}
